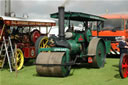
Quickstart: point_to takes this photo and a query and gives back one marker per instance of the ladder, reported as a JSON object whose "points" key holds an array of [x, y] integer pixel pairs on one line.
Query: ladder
{"points": [[6, 52]]}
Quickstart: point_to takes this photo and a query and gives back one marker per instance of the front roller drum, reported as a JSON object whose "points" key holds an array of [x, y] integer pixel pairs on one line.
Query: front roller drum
{"points": [[123, 65], [52, 58]]}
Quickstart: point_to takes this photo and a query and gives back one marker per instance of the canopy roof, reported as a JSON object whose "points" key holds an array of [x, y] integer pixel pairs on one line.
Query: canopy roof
{"points": [[16, 21], [79, 16]]}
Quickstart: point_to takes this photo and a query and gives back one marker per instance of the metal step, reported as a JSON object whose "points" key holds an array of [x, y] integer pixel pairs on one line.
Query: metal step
{"points": [[9, 51], [6, 40], [3, 55], [3, 50]]}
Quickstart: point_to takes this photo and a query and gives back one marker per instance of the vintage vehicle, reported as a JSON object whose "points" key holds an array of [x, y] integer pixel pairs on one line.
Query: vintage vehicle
{"points": [[123, 65], [71, 47], [115, 26], [24, 33]]}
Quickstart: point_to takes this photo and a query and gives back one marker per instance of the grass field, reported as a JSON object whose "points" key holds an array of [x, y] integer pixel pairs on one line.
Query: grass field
{"points": [[109, 75]]}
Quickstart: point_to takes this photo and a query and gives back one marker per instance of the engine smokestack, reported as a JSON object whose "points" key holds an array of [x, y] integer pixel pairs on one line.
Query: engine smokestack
{"points": [[7, 7], [61, 22]]}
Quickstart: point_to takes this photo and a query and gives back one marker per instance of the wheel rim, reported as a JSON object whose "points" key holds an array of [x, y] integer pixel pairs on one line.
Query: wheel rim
{"points": [[100, 54], [19, 59], [124, 66], [44, 43], [97, 48], [35, 35], [65, 69]]}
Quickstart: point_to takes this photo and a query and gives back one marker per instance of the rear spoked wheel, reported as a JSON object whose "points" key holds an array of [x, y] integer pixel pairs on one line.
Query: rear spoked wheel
{"points": [[42, 42]]}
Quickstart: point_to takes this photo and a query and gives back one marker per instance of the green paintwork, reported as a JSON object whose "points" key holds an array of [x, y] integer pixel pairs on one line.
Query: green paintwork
{"points": [[65, 69], [55, 49], [100, 52], [108, 46], [74, 35], [75, 47], [79, 16], [88, 35], [79, 37]]}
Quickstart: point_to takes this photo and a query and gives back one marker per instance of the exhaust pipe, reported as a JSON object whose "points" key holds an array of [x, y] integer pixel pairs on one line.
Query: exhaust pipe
{"points": [[61, 23], [7, 7], [62, 42]]}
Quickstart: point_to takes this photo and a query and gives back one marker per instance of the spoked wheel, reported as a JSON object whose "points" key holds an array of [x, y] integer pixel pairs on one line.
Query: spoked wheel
{"points": [[123, 65], [97, 48], [19, 59], [42, 42]]}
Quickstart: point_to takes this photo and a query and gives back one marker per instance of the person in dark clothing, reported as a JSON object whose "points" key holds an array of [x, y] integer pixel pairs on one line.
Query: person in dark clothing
{"points": [[123, 45]]}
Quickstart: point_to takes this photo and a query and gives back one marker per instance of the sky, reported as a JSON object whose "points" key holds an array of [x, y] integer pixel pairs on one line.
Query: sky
{"points": [[43, 8]]}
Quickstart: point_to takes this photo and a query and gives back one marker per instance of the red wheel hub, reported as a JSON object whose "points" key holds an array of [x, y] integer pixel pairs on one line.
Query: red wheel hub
{"points": [[35, 35]]}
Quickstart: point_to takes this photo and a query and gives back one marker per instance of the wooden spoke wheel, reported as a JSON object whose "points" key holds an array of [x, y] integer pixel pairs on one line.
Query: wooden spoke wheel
{"points": [[123, 65]]}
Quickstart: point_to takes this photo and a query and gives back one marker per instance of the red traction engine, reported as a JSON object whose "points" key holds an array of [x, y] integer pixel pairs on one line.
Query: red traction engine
{"points": [[25, 33], [27, 44]]}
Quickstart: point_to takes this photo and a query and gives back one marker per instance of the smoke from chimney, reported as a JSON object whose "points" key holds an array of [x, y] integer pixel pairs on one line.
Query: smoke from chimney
{"points": [[65, 3]]}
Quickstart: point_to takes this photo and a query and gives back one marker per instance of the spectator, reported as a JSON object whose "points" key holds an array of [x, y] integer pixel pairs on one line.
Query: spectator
{"points": [[123, 45]]}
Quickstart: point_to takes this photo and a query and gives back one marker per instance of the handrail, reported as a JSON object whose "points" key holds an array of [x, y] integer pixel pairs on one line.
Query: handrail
{"points": [[2, 31]]}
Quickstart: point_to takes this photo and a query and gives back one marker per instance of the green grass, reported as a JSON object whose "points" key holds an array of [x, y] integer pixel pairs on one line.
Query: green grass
{"points": [[109, 75]]}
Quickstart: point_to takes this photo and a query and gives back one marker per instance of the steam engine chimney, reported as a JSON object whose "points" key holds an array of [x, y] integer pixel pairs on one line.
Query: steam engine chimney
{"points": [[7, 7], [61, 22]]}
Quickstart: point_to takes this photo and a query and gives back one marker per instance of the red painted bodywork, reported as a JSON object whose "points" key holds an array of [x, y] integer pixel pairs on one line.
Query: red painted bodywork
{"points": [[29, 51], [90, 60]]}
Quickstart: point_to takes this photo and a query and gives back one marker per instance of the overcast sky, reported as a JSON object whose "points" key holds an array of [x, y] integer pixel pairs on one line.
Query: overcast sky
{"points": [[42, 8]]}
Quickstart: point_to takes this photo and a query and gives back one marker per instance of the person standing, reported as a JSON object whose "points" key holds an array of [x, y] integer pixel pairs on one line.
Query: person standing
{"points": [[123, 45]]}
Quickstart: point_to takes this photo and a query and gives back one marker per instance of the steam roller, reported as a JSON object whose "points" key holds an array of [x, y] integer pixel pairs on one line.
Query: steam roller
{"points": [[59, 53]]}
